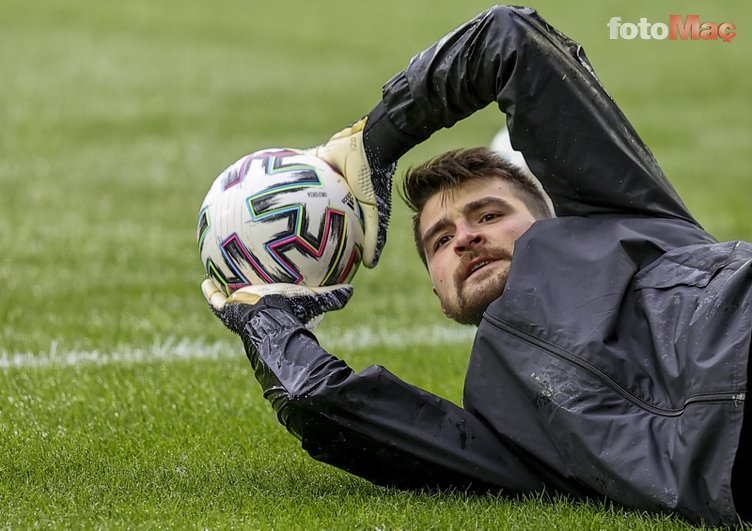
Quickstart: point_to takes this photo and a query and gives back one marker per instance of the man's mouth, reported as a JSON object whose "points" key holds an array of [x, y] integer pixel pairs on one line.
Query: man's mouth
{"points": [[478, 264]]}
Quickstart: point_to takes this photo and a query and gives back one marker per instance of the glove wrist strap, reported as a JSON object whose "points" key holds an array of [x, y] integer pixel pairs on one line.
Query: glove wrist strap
{"points": [[279, 302], [383, 142]]}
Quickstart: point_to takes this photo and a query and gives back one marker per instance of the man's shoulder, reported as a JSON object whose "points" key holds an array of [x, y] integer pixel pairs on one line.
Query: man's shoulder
{"points": [[577, 231], [573, 261]]}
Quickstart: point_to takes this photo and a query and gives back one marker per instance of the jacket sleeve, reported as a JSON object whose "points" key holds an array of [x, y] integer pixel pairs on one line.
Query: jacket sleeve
{"points": [[372, 424], [573, 136]]}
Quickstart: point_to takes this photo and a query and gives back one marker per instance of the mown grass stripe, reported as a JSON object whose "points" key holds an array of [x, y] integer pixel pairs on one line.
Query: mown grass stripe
{"points": [[172, 349]]}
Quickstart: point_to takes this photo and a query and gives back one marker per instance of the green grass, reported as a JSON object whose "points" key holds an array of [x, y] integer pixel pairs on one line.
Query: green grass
{"points": [[115, 118], [192, 444]]}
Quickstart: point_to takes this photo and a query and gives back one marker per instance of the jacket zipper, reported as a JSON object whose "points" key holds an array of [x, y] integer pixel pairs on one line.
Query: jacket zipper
{"points": [[610, 382]]}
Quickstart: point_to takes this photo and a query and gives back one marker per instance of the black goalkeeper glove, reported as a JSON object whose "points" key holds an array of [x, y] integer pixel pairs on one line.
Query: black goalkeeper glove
{"points": [[308, 305]]}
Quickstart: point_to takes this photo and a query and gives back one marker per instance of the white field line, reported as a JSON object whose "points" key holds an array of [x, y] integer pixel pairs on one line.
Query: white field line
{"points": [[171, 349]]}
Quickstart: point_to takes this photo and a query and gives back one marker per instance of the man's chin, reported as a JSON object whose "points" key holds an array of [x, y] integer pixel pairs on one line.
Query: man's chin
{"points": [[467, 316], [472, 303]]}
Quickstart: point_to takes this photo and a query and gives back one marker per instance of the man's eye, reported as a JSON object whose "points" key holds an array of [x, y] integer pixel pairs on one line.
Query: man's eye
{"points": [[490, 216], [441, 241]]}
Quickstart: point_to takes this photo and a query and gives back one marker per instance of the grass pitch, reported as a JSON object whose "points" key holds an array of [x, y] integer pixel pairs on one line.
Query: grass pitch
{"points": [[124, 403]]}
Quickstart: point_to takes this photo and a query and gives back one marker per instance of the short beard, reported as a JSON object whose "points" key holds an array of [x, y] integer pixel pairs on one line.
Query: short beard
{"points": [[470, 307]]}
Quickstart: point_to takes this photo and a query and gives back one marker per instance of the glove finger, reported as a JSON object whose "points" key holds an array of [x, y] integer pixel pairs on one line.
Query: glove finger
{"points": [[376, 230], [320, 301], [213, 295], [253, 294], [229, 315], [314, 322], [332, 298], [372, 236]]}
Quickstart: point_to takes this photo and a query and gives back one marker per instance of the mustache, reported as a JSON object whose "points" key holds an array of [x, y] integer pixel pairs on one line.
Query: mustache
{"points": [[495, 253]]}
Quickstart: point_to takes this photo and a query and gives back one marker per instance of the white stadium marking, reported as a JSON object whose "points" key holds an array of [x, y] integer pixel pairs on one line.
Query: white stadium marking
{"points": [[171, 349]]}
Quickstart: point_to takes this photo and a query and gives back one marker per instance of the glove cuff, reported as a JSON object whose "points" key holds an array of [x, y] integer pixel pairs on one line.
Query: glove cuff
{"points": [[279, 302], [259, 321], [383, 142]]}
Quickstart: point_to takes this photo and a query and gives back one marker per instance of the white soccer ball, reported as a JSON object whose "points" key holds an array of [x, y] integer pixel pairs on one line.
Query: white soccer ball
{"points": [[280, 215]]}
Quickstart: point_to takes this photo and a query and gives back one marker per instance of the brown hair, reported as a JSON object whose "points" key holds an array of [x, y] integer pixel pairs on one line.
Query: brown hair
{"points": [[451, 169]]}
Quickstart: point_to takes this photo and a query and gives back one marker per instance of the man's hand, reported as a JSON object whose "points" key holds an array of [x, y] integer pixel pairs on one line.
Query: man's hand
{"points": [[370, 183], [306, 304]]}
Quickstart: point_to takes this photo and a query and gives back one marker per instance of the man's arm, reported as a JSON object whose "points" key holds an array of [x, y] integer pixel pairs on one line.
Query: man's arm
{"points": [[371, 423], [574, 138]]}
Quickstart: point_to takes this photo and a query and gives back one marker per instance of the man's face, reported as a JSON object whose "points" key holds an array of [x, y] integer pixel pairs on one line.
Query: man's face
{"points": [[468, 235]]}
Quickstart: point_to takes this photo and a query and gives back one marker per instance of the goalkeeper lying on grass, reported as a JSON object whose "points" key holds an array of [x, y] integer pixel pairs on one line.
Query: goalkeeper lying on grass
{"points": [[613, 333]]}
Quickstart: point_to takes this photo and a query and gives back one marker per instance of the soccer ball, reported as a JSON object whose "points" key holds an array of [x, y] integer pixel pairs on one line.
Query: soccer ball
{"points": [[280, 215]]}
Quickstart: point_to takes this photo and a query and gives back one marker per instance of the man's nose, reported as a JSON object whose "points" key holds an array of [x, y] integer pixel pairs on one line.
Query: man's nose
{"points": [[466, 238]]}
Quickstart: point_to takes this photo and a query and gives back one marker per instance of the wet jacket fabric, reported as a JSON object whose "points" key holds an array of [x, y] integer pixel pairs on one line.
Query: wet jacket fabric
{"points": [[615, 361]]}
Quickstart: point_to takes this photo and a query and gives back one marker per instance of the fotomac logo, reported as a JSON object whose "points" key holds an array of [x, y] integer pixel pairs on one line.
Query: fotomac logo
{"points": [[677, 28]]}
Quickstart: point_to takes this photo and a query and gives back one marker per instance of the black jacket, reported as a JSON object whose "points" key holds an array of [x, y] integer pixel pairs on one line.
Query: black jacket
{"points": [[614, 363]]}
